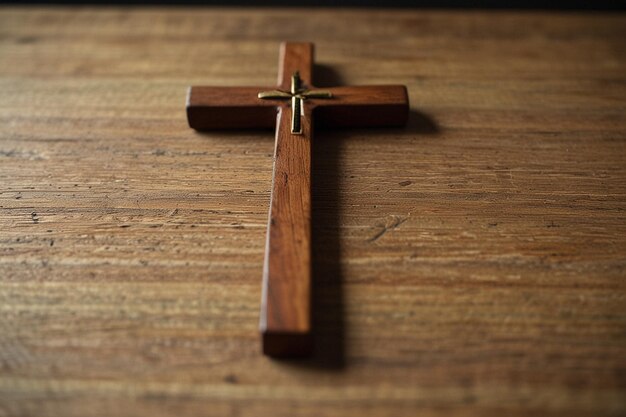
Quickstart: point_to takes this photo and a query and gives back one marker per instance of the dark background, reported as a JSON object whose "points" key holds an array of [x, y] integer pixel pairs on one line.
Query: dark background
{"points": [[477, 4]]}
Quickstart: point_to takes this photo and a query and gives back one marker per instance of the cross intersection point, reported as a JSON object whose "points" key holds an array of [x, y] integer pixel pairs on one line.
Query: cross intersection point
{"points": [[290, 107]]}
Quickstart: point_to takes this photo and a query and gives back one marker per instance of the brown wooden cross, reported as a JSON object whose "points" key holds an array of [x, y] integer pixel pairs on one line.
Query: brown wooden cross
{"points": [[291, 107]]}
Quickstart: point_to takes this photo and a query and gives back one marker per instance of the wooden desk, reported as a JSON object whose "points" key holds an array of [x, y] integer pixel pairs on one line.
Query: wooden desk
{"points": [[471, 264]]}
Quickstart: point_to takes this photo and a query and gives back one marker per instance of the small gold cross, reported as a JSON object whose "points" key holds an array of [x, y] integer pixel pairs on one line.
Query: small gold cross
{"points": [[297, 95]]}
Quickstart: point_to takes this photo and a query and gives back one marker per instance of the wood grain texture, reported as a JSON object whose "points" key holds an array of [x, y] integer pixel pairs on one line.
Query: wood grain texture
{"points": [[286, 299], [285, 316], [229, 108], [472, 264], [285, 321]]}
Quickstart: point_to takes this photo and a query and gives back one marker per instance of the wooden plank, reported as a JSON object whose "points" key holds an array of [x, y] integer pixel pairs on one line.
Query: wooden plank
{"points": [[286, 300], [364, 106], [229, 108], [470, 265], [286, 297]]}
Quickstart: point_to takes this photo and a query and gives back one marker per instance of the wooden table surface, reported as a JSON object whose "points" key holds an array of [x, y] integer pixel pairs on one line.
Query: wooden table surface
{"points": [[471, 264]]}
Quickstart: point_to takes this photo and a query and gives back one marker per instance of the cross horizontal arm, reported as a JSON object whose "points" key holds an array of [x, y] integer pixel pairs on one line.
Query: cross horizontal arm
{"points": [[363, 106], [229, 108]]}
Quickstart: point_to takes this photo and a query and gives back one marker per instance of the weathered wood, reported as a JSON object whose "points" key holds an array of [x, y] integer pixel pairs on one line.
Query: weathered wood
{"points": [[470, 265]]}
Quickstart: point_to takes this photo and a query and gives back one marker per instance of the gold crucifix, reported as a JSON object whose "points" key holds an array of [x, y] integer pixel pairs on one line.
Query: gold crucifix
{"points": [[297, 95]]}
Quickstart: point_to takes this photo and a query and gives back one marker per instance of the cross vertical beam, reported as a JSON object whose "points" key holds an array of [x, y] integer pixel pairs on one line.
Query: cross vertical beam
{"points": [[286, 296]]}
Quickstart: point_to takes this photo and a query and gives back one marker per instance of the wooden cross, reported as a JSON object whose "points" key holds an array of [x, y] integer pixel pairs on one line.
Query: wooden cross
{"points": [[291, 107]]}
